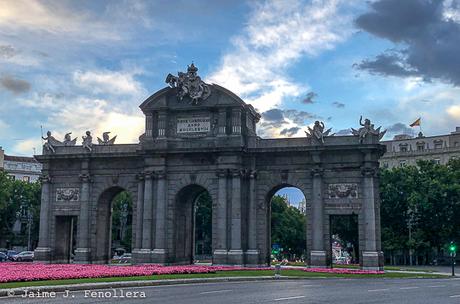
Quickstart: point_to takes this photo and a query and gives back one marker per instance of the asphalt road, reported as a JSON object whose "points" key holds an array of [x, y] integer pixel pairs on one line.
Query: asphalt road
{"points": [[343, 291]]}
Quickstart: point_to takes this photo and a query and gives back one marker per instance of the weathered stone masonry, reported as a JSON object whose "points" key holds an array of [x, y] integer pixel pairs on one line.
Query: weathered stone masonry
{"points": [[214, 148]]}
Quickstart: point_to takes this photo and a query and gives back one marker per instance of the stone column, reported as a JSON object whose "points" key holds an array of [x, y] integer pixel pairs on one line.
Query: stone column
{"points": [[252, 254], [222, 122], [139, 212], [145, 252], [43, 251], [83, 250], [220, 250], [370, 255], [159, 253], [318, 252], [235, 255]]}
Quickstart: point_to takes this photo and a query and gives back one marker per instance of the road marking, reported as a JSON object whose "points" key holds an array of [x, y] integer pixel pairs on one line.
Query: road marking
{"points": [[404, 288], [289, 298], [455, 296], [308, 285], [436, 286], [384, 289], [215, 291]]}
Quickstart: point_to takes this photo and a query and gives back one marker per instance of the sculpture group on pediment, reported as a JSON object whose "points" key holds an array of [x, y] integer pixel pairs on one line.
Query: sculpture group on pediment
{"points": [[106, 140], [317, 132], [87, 143], [189, 84], [367, 128]]}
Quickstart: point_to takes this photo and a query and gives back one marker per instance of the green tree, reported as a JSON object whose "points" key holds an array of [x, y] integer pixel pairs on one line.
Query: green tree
{"points": [[287, 226], [203, 223], [122, 203]]}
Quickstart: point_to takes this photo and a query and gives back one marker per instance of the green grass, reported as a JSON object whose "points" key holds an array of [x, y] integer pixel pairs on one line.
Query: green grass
{"points": [[244, 273]]}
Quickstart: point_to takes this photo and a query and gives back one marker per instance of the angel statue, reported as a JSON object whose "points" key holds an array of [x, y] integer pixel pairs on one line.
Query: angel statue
{"points": [[88, 141], [367, 128], [68, 141], [318, 131], [51, 142], [106, 139]]}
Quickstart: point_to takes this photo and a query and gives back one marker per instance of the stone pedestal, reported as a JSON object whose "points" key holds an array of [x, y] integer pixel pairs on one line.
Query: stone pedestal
{"points": [[371, 261], [235, 257], [42, 254], [252, 257], [159, 256], [219, 257], [143, 256], [318, 259], [82, 256]]}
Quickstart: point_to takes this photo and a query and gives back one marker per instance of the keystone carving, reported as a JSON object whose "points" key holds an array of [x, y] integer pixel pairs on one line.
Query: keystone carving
{"points": [[67, 194]]}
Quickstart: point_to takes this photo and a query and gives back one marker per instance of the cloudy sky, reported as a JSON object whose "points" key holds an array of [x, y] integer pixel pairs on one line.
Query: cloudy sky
{"points": [[72, 66]]}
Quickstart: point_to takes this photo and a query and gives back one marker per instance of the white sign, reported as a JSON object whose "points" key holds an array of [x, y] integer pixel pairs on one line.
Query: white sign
{"points": [[193, 125]]}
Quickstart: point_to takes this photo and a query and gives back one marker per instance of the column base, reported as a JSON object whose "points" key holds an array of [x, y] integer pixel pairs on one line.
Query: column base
{"points": [[219, 257], [159, 256], [42, 254], [82, 256], [252, 257], [143, 256], [235, 257], [318, 259], [371, 261]]}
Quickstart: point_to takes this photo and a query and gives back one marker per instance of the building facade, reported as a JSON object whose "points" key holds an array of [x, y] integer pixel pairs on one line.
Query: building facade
{"points": [[197, 138], [407, 150], [26, 169]]}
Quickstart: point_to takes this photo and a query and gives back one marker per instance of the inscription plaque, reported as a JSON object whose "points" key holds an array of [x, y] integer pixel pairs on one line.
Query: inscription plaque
{"points": [[187, 125]]}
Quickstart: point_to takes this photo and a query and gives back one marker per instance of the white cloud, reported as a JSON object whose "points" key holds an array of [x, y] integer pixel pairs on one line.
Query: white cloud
{"points": [[27, 146], [109, 82], [277, 35], [454, 112], [54, 19]]}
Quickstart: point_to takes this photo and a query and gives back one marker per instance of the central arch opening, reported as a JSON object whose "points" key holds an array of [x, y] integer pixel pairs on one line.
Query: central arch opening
{"points": [[193, 233], [287, 225], [114, 226]]}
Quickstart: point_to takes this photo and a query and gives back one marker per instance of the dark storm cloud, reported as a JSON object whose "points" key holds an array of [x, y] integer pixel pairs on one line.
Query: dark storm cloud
{"points": [[429, 42], [14, 85], [290, 132], [7, 51], [338, 104], [299, 117], [275, 118], [399, 128], [309, 98]]}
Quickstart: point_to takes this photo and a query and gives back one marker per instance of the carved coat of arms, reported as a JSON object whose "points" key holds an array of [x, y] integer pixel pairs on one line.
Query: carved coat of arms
{"points": [[189, 84]]}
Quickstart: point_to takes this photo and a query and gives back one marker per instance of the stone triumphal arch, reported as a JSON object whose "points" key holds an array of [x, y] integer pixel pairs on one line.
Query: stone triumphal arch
{"points": [[202, 137]]}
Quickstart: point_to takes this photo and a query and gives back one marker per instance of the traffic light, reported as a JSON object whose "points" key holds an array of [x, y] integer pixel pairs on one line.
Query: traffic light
{"points": [[452, 247]]}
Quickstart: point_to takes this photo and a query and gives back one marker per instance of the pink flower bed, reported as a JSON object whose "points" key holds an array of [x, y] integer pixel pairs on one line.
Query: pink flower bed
{"points": [[342, 271], [13, 272]]}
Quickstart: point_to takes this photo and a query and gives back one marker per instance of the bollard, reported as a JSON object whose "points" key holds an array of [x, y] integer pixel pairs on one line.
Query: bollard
{"points": [[277, 271]]}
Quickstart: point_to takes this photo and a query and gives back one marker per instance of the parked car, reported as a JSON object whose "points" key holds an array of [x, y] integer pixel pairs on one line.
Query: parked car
{"points": [[24, 256], [3, 257], [125, 258], [10, 254]]}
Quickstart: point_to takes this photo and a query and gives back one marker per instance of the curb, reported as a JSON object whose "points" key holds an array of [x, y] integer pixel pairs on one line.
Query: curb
{"points": [[10, 292]]}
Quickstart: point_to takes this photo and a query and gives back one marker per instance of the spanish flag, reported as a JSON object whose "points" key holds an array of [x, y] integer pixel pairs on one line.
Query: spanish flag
{"points": [[416, 123]]}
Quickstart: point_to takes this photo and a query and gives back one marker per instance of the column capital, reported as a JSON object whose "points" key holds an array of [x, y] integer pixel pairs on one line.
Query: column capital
{"points": [[160, 174], [45, 178], [148, 175], [85, 177], [317, 172], [252, 174], [222, 173], [140, 176], [368, 171], [236, 172]]}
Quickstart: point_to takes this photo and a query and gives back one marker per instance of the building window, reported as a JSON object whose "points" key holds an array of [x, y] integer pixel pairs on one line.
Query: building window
{"points": [[402, 163], [437, 161], [438, 144], [12, 177], [26, 178], [385, 165], [403, 149]]}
